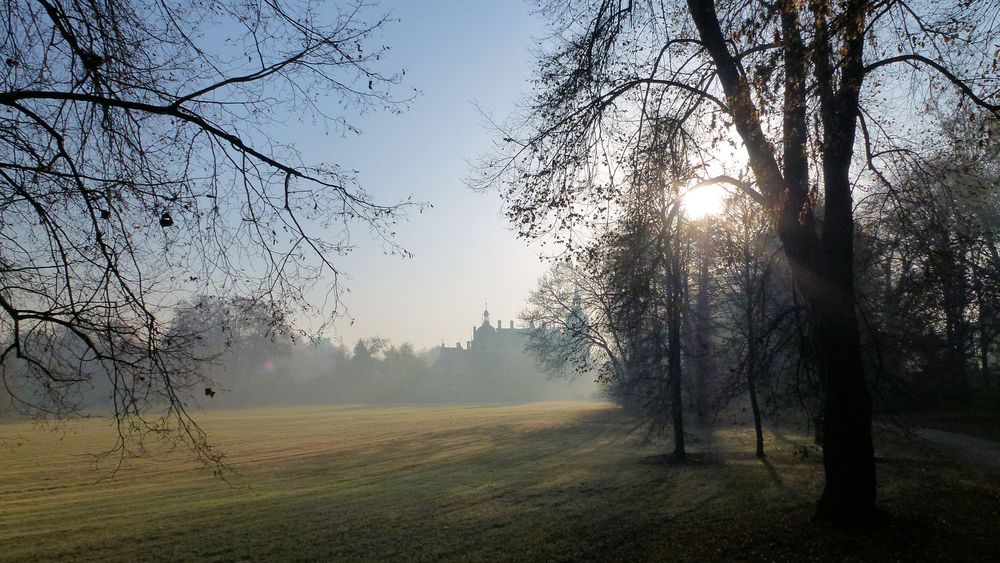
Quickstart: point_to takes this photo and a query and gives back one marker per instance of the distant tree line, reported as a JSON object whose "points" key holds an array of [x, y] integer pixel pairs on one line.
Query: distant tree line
{"points": [[243, 352]]}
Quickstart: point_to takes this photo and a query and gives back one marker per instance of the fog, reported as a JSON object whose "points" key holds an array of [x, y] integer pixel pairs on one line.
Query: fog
{"points": [[266, 370], [241, 353]]}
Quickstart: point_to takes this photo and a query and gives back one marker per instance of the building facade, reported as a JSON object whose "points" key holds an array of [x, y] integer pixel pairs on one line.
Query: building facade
{"points": [[494, 364], [492, 349]]}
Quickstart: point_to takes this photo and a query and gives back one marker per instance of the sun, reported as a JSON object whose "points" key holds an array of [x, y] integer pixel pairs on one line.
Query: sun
{"points": [[702, 201]]}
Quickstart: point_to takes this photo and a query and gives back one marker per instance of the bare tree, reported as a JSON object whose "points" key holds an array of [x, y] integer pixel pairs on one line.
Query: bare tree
{"points": [[634, 272], [569, 313], [801, 87], [929, 264], [757, 314], [238, 345], [140, 163]]}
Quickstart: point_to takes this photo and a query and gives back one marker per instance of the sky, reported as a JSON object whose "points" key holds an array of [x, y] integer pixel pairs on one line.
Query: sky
{"points": [[458, 54]]}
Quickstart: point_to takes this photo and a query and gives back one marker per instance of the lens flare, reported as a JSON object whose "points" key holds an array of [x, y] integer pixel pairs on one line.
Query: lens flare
{"points": [[703, 201]]}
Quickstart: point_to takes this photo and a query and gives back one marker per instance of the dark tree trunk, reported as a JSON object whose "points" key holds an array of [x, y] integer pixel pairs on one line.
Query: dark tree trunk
{"points": [[755, 407], [954, 278], [674, 358], [984, 348], [677, 420], [822, 266], [848, 453], [751, 360], [703, 331]]}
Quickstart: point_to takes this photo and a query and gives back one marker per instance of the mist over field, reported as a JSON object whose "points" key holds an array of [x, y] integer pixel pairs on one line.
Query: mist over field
{"points": [[245, 358], [533, 280]]}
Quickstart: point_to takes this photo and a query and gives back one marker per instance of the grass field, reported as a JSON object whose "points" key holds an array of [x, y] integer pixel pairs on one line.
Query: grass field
{"points": [[547, 481]]}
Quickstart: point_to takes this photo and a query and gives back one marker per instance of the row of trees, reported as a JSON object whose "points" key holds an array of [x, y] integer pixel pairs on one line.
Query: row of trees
{"points": [[815, 98], [931, 290], [239, 352], [680, 315], [692, 319]]}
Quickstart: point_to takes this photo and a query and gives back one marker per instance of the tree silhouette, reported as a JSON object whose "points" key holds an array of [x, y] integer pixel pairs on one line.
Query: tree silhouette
{"points": [[794, 89], [140, 162]]}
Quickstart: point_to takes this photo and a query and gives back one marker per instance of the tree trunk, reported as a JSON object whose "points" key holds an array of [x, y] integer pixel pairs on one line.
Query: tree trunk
{"points": [[676, 399], [755, 407], [674, 355], [953, 276], [703, 314], [848, 453], [751, 360], [822, 266], [984, 349]]}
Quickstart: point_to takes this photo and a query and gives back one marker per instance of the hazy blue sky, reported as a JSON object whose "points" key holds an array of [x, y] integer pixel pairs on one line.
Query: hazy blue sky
{"points": [[455, 52]]}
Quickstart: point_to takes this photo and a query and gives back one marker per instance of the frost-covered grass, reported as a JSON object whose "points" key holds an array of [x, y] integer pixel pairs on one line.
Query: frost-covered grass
{"points": [[547, 481]]}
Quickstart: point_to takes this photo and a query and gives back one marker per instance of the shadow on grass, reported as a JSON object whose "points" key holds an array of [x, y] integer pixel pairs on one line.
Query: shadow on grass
{"points": [[578, 491], [575, 488], [776, 479], [589, 489]]}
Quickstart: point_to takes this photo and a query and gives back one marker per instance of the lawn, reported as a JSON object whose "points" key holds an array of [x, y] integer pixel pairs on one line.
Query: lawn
{"points": [[551, 481]]}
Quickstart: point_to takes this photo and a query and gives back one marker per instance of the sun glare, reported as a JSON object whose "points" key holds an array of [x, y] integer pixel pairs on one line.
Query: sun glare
{"points": [[703, 201]]}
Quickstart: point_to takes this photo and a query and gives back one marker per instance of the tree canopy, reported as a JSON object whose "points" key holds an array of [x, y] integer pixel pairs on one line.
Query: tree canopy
{"points": [[798, 105], [142, 161]]}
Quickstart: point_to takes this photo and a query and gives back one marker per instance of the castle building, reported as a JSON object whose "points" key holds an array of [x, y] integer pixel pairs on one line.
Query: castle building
{"points": [[495, 354], [490, 346]]}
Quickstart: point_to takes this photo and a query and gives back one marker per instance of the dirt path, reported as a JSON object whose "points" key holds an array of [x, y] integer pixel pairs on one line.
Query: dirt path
{"points": [[976, 451]]}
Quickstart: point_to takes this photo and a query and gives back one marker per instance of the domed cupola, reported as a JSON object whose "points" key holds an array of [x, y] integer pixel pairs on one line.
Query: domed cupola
{"points": [[486, 327]]}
